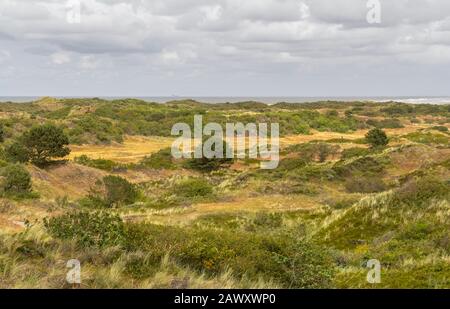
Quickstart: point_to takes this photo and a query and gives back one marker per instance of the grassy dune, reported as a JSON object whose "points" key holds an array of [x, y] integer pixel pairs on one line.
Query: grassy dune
{"points": [[333, 203]]}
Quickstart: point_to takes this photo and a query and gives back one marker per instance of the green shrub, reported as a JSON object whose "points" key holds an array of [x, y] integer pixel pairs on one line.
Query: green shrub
{"points": [[102, 164], [119, 191], [17, 180], [377, 138], [428, 138], [385, 123], [361, 166], [192, 188], [94, 129], [159, 160], [17, 153], [205, 164], [97, 229]]}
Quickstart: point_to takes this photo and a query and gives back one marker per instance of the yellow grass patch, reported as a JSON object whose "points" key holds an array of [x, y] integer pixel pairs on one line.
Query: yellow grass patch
{"points": [[133, 149]]}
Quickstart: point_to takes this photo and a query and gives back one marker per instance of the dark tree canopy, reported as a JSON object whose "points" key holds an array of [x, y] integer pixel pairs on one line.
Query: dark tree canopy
{"points": [[377, 137], [17, 153], [205, 164], [119, 191], [45, 142]]}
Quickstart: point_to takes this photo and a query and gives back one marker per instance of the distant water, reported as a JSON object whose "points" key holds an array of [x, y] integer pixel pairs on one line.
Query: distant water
{"points": [[267, 100]]}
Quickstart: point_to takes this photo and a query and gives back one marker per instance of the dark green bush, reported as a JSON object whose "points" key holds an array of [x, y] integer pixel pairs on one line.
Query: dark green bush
{"points": [[361, 166], [159, 160], [377, 138], [45, 143], [102, 164], [192, 188], [17, 153], [119, 191], [17, 180]]}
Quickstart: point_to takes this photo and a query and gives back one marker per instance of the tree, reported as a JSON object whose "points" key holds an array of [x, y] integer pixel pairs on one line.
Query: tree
{"points": [[17, 179], [377, 137], [119, 191], [205, 164], [16, 153], [44, 143]]}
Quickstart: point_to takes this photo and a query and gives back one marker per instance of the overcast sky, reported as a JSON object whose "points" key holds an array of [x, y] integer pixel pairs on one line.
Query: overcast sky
{"points": [[224, 48]]}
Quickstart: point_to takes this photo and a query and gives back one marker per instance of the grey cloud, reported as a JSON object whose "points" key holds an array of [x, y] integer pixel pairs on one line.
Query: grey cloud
{"points": [[172, 44]]}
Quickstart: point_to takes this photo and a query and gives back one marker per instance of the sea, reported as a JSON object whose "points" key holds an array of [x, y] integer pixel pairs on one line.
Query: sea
{"points": [[267, 100]]}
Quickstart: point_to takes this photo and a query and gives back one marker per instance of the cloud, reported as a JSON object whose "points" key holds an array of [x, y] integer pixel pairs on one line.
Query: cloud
{"points": [[300, 40]]}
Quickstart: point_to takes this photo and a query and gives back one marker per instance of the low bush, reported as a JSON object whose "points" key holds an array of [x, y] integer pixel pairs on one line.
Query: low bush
{"points": [[97, 229], [17, 180], [360, 166], [389, 123], [159, 160], [428, 138], [119, 191], [192, 188], [101, 164], [268, 220]]}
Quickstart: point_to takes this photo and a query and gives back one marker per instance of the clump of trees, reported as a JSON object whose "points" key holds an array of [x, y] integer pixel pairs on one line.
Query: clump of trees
{"points": [[377, 138], [40, 145]]}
